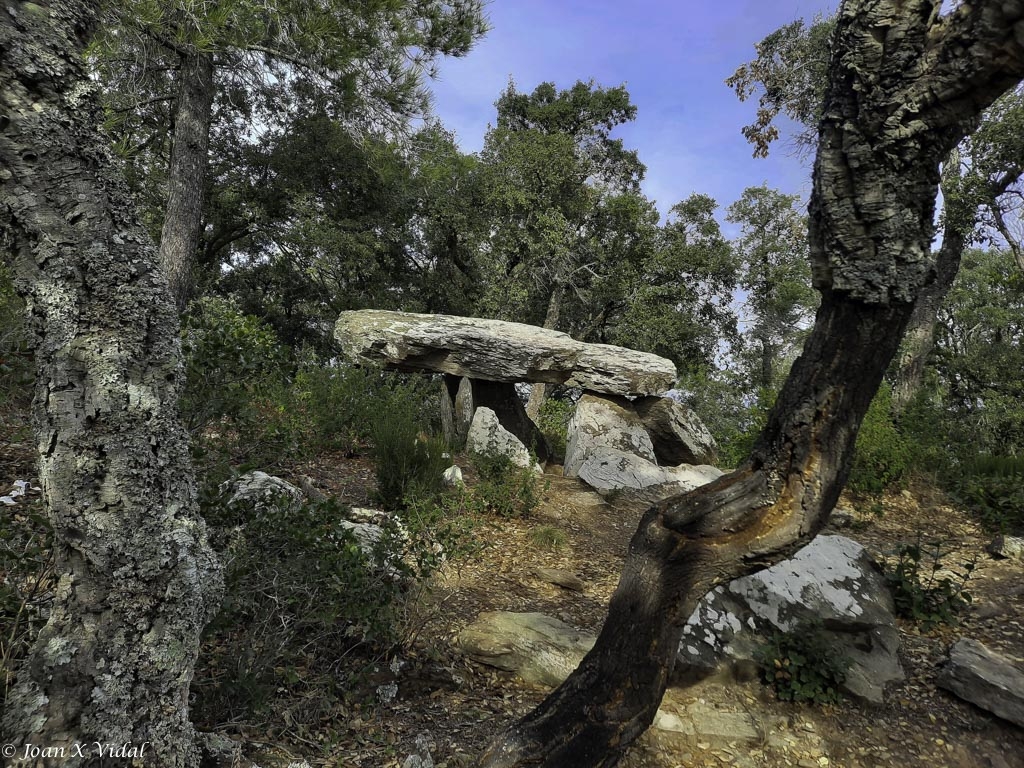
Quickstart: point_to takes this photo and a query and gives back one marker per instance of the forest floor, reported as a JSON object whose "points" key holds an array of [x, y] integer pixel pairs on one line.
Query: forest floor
{"points": [[452, 707], [455, 706]]}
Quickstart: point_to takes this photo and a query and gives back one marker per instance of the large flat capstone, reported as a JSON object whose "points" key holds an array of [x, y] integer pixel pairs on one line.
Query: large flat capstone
{"points": [[495, 350]]}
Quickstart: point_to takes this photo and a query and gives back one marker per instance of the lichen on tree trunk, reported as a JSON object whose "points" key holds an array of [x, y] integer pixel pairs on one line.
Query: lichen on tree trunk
{"points": [[905, 86], [137, 579]]}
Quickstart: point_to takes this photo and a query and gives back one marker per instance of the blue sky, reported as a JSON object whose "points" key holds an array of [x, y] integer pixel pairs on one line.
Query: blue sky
{"points": [[673, 58]]}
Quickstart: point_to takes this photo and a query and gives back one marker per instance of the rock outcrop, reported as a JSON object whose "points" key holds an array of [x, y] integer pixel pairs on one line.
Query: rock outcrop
{"points": [[609, 446], [540, 649], [1007, 547], [986, 679], [495, 350], [488, 436], [832, 580]]}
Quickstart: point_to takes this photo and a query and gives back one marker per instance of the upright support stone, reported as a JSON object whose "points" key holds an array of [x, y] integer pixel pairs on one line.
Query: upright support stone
{"points": [[465, 407], [502, 398], [446, 400]]}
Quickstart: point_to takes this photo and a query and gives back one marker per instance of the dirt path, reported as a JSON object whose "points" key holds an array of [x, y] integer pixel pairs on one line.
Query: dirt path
{"points": [[458, 705]]}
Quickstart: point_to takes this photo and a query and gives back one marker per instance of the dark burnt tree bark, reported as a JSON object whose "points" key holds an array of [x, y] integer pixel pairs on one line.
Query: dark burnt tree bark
{"points": [[183, 216], [905, 86], [137, 580]]}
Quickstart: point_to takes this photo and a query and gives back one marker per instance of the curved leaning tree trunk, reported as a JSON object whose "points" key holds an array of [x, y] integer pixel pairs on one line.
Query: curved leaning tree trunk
{"points": [[905, 87], [137, 580]]}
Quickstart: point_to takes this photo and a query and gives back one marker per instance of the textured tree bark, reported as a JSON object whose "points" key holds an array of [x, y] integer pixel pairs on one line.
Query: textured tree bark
{"points": [[179, 238], [905, 87], [920, 335], [137, 579]]}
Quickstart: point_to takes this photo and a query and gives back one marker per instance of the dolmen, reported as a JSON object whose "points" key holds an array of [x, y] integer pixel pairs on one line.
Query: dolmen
{"points": [[623, 434]]}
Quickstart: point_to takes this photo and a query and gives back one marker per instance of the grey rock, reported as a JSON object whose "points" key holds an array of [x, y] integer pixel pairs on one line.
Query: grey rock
{"points": [[607, 470], [678, 434], [609, 448], [560, 578], [985, 678], [1007, 547], [261, 491], [832, 579], [498, 351], [540, 649], [488, 436], [453, 477], [604, 422]]}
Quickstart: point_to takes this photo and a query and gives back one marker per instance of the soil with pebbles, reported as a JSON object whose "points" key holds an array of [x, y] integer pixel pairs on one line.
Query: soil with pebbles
{"points": [[920, 725]]}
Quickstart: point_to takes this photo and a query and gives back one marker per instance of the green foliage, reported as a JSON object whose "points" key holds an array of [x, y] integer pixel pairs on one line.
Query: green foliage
{"points": [[882, 456], [229, 358], [548, 537], [923, 588], [408, 463], [992, 487], [553, 421], [26, 566], [302, 594], [504, 489], [15, 359], [789, 77], [802, 665]]}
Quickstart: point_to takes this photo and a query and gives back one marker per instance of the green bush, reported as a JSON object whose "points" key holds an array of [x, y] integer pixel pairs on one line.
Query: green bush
{"points": [[505, 489], [882, 455], [301, 595], [553, 421], [802, 665], [16, 370], [230, 358], [923, 590], [992, 487], [408, 463], [26, 586]]}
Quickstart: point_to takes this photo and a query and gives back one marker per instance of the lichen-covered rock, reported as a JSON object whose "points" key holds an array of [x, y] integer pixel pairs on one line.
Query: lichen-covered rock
{"points": [[488, 436], [609, 448], [985, 678], [678, 434], [833, 579], [540, 649], [1007, 547], [495, 350], [261, 491]]}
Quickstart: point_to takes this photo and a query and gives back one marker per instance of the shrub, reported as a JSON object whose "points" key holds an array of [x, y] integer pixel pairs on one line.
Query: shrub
{"points": [[553, 421], [923, 590], [26, 586], [802, 665], [505, 489], [548, 537], [228, 358], [882, 455], [408, 463], [16, 370], [301, 595], [992, 487]]}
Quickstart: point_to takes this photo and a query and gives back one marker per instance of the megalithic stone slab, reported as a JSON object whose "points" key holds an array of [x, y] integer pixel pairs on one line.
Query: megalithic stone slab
{"points": [[495, 350]]}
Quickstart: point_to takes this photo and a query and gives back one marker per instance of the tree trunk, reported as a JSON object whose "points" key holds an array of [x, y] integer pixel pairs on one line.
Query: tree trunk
{"points": [[137, 580], [905, 88], [539, 392], [179, 238], [920, 336]]}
